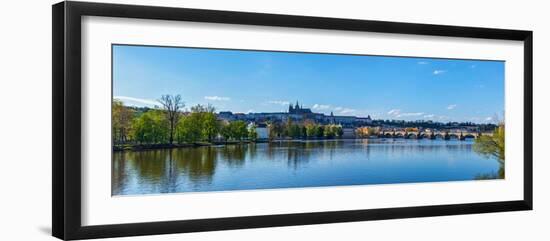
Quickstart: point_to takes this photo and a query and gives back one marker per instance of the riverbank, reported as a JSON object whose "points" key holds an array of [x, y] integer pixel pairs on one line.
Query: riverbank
{"points": [[142, 147]]}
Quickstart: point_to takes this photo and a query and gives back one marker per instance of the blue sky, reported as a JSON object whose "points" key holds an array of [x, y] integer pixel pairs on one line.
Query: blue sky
{"points": [[262, 81]]}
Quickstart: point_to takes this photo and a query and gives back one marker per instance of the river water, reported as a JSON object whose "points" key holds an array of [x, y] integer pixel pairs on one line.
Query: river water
{"points": [[296, 164]]}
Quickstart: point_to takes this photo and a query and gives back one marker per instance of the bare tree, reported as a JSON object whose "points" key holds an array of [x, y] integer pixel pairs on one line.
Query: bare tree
{"points": [[172, 105]]}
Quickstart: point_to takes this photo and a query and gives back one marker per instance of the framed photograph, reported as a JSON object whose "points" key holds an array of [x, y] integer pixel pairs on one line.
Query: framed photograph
{"points": [[169, 120]]}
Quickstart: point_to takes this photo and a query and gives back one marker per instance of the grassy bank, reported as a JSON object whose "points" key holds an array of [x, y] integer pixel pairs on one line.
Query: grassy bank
{"points": [[141, 147]]}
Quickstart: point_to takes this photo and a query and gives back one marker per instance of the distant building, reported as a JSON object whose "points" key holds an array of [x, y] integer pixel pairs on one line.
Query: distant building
{"points": [[240, 116], [364, 120], [348, 132], [263, 132], [226, 115], [344, 120], [298, 110], [296, 113]]}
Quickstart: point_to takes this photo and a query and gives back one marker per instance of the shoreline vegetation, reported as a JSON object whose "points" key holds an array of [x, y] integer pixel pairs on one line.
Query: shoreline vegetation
{"points": [[168, 127], [154, 146]]}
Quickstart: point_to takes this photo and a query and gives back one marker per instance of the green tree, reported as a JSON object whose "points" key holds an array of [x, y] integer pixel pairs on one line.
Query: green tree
{"points": [[288, 128], [203, 109], [339, 131], [189, 129], [320, 131], [200, 124], [225, 131], [122, 121], [303, 131], [275, 130], [210, 125], [239, 130], [493, 146], [311, 129], [235, 130], [329, 131], [252, 133], [151, 127], [294, 131]]}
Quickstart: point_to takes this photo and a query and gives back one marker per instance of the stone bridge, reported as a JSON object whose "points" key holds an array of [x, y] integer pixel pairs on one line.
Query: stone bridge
{"points": [[445, 135]]}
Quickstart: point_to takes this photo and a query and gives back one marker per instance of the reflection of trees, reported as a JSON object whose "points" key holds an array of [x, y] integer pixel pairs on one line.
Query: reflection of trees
{"points": [[295, 153], [299, 153], [162, 170], [147, 164], [234, 155], [252, 151], [118, 170], [175, 170], [398, 149], [493, 175], [198, 163]]}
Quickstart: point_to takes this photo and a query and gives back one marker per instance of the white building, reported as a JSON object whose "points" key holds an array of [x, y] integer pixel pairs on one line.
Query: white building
{"points": [[261, 130]]}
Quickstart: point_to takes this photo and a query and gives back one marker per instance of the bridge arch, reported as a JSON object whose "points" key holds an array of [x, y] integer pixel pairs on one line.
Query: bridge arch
{"points": [[454, 136]]}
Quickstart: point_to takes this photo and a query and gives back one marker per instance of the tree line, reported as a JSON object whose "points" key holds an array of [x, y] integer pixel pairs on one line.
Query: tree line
{"points": [[169, 125], [308, 129]]}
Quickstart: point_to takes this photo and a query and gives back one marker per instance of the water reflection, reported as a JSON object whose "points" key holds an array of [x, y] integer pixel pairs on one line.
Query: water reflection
{"points": [[296, 164]]}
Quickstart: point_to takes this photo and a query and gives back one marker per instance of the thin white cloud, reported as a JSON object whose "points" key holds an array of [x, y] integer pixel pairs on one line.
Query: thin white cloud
{"points": [[321, 107], [439, 71], [411, 114], [489, 118], [339, 108], [127, 100], [279, 102], [217, 98], [451, 107], [422, 62], [347, 111], [394, 112]]}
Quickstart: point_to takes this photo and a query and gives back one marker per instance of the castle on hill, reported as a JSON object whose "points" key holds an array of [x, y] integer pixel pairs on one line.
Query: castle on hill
{"points": [[296, 113], [298, 110]]}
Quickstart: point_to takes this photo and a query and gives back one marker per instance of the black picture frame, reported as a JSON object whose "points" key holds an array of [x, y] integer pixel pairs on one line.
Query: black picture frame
{"points": [[66, 158]]}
